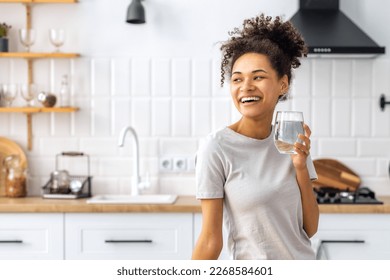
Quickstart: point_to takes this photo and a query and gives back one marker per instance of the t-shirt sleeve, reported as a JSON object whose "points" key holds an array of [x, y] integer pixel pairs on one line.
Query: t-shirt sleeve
{"points": [[209, 170], [311, 169]]}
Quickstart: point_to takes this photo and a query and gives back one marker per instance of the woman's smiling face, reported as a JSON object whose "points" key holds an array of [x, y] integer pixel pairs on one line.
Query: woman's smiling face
{"points": [[255, 86]]}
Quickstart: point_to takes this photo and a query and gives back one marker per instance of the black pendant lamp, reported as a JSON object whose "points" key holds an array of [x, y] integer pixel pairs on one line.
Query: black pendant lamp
{"points": [[135, 12]]}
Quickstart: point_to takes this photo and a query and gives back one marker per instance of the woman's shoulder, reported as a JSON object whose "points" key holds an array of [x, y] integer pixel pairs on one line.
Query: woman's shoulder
{"points": [[214, 140]]}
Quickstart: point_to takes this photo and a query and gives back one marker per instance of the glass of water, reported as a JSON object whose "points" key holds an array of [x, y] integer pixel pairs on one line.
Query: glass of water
{"points": [[288, 124]]}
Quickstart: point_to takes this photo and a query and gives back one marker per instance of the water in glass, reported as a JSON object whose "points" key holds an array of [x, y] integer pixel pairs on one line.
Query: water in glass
{"points": [[288, 124]]}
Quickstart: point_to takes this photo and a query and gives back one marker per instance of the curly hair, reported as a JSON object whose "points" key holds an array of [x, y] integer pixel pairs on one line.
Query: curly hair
{"points": [[278, 40]]}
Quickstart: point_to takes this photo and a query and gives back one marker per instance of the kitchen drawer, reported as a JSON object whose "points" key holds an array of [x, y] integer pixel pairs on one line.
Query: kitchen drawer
{"points": [[31, 236], [128, 236], [354, 236], [354, 244]]}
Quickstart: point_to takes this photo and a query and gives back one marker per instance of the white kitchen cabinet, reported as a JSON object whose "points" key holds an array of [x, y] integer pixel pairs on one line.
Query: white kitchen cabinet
{"points": [[31, 236], [128, 236], [197, 228], [354, 236]]}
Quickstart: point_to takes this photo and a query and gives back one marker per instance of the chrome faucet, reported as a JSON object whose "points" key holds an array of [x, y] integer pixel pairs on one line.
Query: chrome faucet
{"points": [[136, 178]]}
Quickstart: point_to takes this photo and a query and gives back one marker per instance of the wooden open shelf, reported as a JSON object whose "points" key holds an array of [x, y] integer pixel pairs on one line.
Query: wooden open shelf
{"points": [[38, 109], [33, 110], [38, 1], [32, 55]]}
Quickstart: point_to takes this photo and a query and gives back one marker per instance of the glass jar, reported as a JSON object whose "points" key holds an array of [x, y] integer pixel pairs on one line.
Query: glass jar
{"points": [[15, 178]]}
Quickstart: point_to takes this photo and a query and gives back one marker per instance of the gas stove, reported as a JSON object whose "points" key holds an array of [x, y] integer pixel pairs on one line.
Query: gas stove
{"points": [[329, 195]]}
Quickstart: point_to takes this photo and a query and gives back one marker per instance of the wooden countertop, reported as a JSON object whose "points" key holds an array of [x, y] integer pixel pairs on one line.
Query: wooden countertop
{"points": [[184, 204]]}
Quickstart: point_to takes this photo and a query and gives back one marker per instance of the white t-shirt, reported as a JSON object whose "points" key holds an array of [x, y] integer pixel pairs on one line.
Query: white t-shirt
{"points": [[262, 201]]}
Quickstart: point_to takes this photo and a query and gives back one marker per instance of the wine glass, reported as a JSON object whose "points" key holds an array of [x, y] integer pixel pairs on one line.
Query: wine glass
{"points": [[29, 92], [57, 38], [27, 38], [288, 124], [9, 93]]}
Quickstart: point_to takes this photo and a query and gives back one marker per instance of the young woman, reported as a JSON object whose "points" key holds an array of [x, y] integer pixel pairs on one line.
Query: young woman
{"points": [[264, 198]]}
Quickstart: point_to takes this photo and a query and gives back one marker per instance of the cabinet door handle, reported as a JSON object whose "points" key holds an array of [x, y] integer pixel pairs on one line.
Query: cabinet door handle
{"points": [[342, 241], [11, 241], [129, 241]]}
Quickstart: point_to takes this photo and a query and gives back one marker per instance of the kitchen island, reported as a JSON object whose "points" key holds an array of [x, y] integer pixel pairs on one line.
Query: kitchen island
{"points": [[184, 204]]}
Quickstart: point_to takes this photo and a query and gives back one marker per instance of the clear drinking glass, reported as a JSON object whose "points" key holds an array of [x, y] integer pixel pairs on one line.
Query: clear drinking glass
{"points": [[29, 92], [288, 124], [9, 93], [27, 38], [57, 38]]}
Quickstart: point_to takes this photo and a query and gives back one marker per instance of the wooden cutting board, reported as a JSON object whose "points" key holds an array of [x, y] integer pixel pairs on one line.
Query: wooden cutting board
{"points": [[333, 173]]}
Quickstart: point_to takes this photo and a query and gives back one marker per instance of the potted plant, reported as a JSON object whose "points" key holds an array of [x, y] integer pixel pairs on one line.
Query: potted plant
{"points": [[3, 37]]}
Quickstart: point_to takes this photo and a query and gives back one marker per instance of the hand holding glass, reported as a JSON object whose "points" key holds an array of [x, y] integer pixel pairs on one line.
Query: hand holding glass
{"points": [[27, 37], [57, 38], [288, 124]]}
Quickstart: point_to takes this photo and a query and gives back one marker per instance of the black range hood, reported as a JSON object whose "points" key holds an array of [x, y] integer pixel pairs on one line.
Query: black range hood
{"points": [[329, 32]]}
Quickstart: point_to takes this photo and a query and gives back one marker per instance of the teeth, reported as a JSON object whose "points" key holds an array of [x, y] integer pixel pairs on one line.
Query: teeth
{"points": [[250, 99]]}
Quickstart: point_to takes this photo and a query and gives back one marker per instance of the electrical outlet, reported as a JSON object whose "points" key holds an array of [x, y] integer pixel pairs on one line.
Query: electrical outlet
{"points": [[179, 164], [166, 164]]}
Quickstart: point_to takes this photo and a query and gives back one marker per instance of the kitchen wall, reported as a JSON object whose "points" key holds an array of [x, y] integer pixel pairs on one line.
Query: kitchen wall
{"points": [[163, 79]]}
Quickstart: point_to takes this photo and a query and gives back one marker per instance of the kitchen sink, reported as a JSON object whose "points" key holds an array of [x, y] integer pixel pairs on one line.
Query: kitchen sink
{"points": [[133, 199]]}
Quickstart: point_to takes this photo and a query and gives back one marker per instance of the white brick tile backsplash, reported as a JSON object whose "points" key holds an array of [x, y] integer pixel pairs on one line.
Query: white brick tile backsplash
{"points": [[93, 146], [148, 147], [42, 76], [101, 77], [18, 124], [362, 78], [361, 117], [322, 77], [302, 105], [81, 77], [301, 84], [82, 118], [5, 124], [141, 116], [321, 117], [181, 77], [121, 76], [220, 113], [383, 167], [161, 117], [361, 166], [61, 124], [121, 109], [161, 77], [51, 146], [201, 116], [374, 148], [173, 102], [201, 77], [380, 120], [342, 78], [101, 125], [337, 147], [181, 117], [140, 76], [178, 146], [380, 77], [341, 117], [182, 185]]}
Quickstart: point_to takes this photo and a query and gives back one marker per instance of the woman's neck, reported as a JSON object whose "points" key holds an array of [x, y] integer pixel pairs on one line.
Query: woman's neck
{"points": [[252, 128]]}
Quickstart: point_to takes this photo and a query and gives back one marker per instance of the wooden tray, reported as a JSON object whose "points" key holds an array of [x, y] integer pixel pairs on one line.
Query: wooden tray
{"points": [[332, 173], [7, 148]]}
